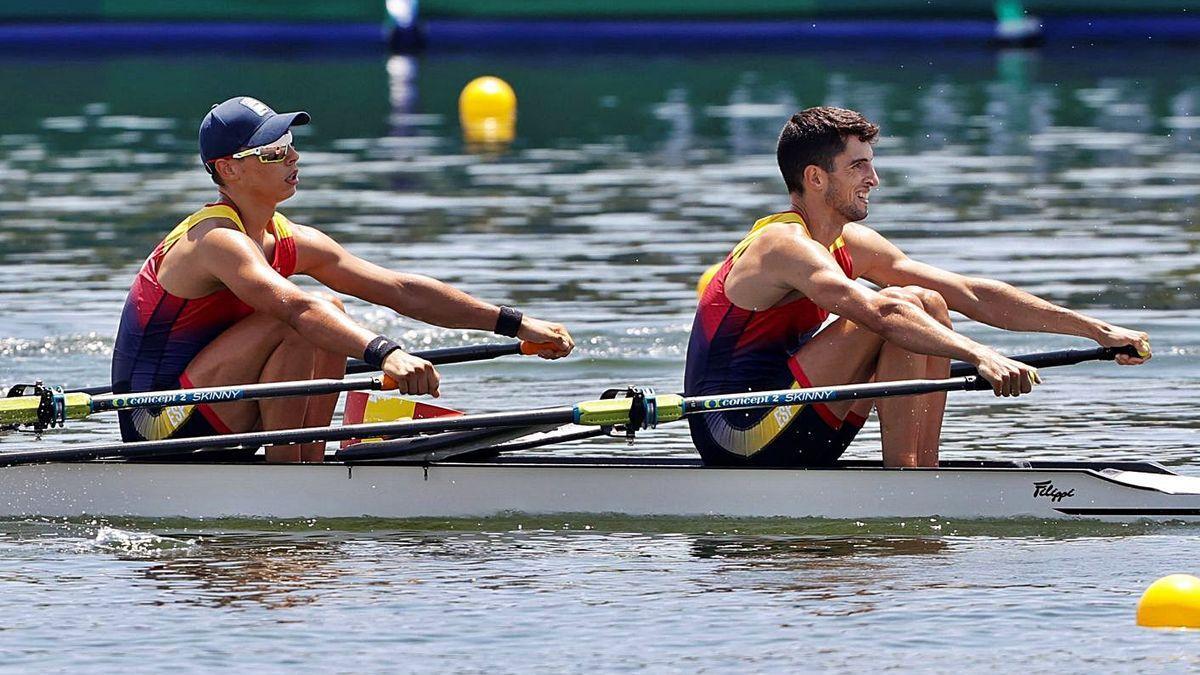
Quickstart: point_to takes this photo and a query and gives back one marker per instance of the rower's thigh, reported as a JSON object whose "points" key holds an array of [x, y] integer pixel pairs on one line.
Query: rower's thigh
{"points": [[237, 355], [845, 352], [840, 353]]}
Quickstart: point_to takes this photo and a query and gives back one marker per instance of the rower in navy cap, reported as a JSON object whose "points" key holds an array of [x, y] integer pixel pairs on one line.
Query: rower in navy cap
{"points": [[214, 305]]}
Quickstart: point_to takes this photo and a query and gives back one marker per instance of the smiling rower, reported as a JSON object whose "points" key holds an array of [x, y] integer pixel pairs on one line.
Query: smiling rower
{"points": [[213, 304], [759, 322]]}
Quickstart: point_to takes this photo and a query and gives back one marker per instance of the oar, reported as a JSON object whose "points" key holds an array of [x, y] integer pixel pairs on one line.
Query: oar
{"points": [[79, 404], [439, 447], [457, 444], [1062, 357], [438, 357], [643, 411], [603, 412]]}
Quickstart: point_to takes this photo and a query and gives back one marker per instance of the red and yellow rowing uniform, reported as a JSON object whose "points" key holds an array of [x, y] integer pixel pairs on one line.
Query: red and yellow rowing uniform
{"points": [[735, 350], [161, 333]]}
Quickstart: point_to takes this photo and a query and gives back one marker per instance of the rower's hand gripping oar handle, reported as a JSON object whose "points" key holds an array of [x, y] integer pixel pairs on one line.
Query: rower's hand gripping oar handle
{"points": [[1064, 357], [447, 355], [532, 348], [439, 357]]}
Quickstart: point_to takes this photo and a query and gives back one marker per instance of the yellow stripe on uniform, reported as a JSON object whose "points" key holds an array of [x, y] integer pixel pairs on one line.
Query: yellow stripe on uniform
{"points": [[283, 226], [747, 442], [759, 226]]}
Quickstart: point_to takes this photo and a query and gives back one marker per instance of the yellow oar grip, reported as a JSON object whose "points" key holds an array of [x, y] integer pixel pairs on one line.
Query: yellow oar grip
{"points": [[24, 409], [609, 411]]}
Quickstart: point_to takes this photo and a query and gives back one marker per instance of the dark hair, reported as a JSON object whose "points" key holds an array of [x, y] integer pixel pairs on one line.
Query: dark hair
{"points": [[816, 136]]}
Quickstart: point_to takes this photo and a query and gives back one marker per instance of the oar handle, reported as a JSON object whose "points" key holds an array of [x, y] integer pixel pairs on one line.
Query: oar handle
{"points": [[446, 355], [1062, 357], [460, 354], [532, 348], [438, 357]]}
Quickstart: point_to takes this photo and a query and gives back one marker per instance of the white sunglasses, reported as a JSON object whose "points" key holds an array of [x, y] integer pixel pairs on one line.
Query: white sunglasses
{"points": [[270, 153]]}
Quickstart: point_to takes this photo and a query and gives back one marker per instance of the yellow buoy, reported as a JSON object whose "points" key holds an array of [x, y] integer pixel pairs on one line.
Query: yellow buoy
{"points": [[707, 277], [1171, 602], [487, 109]]}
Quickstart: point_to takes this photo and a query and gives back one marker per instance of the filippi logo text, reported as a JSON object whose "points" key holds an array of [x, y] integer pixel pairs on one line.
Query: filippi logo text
{"points": [[1045, 488]]}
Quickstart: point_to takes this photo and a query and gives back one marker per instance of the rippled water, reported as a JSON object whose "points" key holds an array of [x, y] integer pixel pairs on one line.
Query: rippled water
{"points": [[1073, 174], [572, 600]]}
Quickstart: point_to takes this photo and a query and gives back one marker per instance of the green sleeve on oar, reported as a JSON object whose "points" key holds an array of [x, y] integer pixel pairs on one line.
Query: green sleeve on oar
{"points": [[24, 409], [609, 411]]}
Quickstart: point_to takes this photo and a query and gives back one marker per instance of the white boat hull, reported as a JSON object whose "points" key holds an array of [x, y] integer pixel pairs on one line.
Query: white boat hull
{"points": [[635, 487]]}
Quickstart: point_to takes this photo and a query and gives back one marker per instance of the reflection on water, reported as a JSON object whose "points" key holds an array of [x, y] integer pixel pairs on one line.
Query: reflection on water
{"points": [[233, 571], [447, 599]]}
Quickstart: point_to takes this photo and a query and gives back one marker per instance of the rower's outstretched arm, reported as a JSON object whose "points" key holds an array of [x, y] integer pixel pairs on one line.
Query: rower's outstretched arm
{"points": [[414, 295], [801, 264], [989, 301], [231, 258]]}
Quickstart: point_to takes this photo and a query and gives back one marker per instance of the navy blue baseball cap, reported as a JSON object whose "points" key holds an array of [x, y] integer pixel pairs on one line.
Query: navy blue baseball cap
{"points": [[243, 122]]}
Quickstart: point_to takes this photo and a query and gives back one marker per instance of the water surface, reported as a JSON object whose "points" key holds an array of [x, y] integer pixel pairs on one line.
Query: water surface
{"points": [[1071, 173]]}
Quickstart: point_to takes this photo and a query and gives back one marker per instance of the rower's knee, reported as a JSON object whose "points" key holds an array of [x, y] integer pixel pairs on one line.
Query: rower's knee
{"points": [[325, 356], [929, 301], [932, 302], [905, 295], [331, 299], [293, 338]]}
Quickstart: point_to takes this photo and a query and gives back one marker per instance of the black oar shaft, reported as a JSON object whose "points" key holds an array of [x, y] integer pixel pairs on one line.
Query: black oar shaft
{"points": [[695, 405], [438, 357], [852, 392], [233, 393], [438, 446], [448, 355], [1062, 357]]}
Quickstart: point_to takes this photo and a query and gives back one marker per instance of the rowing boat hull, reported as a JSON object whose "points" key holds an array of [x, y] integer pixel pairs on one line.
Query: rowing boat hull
{"points": [[644, 487]]}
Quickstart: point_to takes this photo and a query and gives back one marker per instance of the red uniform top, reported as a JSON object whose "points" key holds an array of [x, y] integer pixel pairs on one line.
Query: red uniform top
{"points": [[734, 350], [161, 333], [731, 347]]}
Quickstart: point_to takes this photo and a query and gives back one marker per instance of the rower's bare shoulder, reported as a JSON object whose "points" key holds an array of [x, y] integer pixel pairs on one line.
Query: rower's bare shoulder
{"points": [[313, 245], [220, 241], [783, 243], [863, 236], [219, 226]]}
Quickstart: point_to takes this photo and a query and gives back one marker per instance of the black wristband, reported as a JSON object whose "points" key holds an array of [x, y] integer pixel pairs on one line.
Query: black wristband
{"points": [[509, 322], [377, 351]]}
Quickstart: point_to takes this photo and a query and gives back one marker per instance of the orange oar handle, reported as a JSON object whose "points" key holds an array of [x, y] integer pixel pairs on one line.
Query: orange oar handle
{"points": [[388, 383], [531, 348]]}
